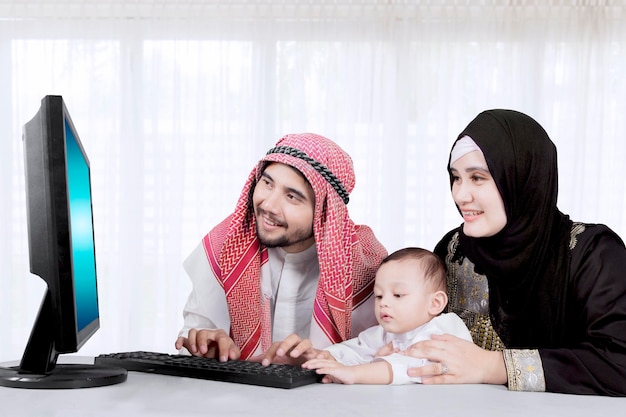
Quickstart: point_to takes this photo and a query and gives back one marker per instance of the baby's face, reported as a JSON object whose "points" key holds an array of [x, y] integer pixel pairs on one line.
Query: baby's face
{"points": [[402, 298]]}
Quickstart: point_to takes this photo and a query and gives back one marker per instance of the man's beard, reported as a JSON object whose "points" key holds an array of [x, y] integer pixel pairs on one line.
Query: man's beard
{"points": [[285, 239]]}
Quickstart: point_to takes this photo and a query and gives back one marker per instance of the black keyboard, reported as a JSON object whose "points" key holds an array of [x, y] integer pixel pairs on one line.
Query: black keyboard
{"points": [[243, 372]]}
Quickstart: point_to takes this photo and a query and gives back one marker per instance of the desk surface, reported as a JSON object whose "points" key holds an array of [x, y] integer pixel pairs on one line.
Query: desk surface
{"points": [[159, 395]]}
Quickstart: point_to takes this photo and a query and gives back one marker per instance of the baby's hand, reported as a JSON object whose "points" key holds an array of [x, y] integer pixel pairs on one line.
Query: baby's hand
{"points": [[388, 349], [333, 371]]}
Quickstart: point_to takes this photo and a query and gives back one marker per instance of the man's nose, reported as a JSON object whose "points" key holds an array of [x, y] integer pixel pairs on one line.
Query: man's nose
{"points": [[270, 202]]}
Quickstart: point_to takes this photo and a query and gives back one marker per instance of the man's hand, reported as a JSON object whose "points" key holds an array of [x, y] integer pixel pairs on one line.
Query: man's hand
{"points": [[293, 350], [210, 344]]}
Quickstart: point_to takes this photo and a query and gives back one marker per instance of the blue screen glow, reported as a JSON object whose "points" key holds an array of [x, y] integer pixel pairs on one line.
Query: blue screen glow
{"points": [[81, 223]]}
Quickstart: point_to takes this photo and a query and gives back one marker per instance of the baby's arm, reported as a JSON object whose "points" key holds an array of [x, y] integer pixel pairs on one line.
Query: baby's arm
{"points": [[378, 372]]}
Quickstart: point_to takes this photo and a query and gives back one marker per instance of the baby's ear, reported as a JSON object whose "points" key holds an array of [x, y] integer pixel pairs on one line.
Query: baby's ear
{"points": [[438, 301]]}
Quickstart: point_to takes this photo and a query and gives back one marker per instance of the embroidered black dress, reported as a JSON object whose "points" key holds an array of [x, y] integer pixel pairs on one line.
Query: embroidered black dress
{"points": [[551, 292]]}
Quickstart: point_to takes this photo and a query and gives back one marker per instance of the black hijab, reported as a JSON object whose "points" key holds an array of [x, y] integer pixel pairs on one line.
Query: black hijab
{"points": [[527, 262]]}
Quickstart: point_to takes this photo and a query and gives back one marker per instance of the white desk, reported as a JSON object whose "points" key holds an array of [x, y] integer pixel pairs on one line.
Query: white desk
{"points": [[158, 395]]}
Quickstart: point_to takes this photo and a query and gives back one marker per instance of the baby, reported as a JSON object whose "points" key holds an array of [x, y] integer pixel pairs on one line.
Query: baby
{"points": [[410, 294]]}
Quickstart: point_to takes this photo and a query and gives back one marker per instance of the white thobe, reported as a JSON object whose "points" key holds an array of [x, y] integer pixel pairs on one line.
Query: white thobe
{"points": [[288, 280]]}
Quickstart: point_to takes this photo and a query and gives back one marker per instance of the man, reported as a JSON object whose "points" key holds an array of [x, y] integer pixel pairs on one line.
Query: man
{"points": [[289, 269]]}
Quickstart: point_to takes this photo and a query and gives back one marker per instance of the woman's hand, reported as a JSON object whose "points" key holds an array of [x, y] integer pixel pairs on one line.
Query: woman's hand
{"points": [[456, 361]]}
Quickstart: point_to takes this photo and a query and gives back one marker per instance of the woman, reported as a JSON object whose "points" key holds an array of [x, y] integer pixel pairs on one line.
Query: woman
{"points": [[544, 297]]}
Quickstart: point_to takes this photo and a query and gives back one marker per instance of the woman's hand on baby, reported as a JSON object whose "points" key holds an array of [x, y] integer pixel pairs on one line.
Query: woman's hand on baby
{"points": [[456, 361]]}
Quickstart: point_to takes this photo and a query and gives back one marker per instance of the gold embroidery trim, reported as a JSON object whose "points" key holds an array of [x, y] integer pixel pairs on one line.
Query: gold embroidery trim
{"points": [[524, 370], [577, 228], [484, 334], [464, 284]]}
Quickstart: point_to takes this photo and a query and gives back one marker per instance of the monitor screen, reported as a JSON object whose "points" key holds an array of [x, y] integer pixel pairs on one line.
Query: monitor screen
{"points": [[62, 253], [81, 225]]}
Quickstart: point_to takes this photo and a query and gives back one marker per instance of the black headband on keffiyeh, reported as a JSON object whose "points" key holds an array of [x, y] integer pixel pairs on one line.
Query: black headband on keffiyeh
{"points": [[318, 166]]}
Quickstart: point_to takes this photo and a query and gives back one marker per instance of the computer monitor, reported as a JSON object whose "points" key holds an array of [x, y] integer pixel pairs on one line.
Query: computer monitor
{"points": [[62, 252]]}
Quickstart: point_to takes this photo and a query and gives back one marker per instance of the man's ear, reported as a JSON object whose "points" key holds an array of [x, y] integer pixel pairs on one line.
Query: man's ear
{"points": [[438, 301]]}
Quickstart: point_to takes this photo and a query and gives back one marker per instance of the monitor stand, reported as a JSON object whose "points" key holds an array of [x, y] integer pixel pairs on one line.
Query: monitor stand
{"points": [[39, 368], [64, 376]]}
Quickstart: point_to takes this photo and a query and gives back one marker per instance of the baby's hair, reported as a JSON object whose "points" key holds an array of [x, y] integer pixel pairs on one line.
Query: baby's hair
{"points": [[432, 267]]}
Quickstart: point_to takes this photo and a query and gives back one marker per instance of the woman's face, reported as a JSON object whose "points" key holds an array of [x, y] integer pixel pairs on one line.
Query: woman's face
{"points": [[475, 193]]}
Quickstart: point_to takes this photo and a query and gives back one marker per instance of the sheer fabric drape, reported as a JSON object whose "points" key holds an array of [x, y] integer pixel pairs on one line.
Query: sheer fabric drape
{"points": [[175, 102]]}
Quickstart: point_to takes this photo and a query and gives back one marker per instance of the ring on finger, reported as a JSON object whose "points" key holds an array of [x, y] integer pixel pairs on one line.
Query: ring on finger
{"points": [[444, 369]]}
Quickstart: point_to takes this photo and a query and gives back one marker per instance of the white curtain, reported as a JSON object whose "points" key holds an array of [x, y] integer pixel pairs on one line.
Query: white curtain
{"points": [[175, 102]]}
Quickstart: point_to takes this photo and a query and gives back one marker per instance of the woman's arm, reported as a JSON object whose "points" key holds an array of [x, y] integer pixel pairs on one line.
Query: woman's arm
{"points": [[595, 360]]}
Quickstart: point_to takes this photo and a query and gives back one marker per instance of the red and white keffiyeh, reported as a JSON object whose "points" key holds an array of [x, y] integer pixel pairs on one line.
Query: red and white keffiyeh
{"points": [[348, 254]]}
